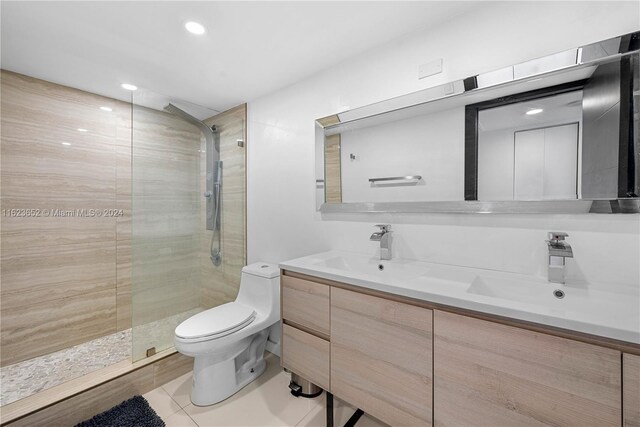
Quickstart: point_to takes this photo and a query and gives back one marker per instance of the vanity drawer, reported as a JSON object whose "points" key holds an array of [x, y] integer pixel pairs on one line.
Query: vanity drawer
{"points": [[306, 355], [305, 303]]}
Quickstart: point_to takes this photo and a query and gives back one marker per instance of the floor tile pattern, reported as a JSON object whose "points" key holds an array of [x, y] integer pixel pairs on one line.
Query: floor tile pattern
{"points": [[264, 402], [31, 376]]}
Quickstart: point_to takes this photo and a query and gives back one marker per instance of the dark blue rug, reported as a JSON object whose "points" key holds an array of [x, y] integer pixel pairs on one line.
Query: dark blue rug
{"points": [[134, 412]]}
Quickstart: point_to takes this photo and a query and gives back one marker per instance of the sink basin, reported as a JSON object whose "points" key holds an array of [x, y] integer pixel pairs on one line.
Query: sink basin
{"points": [[359, 265], [584, 308], [442, 279], [450, 275], [528, 292]]}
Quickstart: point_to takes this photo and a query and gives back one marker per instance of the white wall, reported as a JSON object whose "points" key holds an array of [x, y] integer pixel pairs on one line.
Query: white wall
{"points": [[495, 164], [536, 164], [431, 146], [283, 223]]}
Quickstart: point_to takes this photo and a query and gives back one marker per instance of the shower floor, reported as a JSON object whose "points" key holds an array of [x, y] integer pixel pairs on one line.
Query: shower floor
{"points": [[31, 376]]}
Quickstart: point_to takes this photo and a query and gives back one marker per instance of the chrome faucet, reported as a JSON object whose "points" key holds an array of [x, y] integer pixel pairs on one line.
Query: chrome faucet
{"points": [[384, 237], [559, 251]]}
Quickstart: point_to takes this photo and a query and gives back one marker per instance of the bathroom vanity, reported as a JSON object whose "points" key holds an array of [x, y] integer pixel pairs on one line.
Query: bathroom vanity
{"points": [[386, 337], [415, 343]]}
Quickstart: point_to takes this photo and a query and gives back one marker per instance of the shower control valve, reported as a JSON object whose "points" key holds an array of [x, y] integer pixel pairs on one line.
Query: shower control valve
{"points": [[208, 194]]}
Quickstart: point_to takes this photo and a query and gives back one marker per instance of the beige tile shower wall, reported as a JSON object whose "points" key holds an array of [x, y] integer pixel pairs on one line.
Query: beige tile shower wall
{"points": [[167, 216], [220, 284], [62, 276]]}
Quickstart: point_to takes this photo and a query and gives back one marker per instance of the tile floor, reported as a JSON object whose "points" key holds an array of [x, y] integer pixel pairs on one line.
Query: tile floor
{"points": [[265, 402]]}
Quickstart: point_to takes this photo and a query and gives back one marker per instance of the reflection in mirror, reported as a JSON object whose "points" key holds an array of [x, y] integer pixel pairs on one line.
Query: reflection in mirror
{"points": [[577, 140], [320, 198], [405, 160], [611, 153], [530, 150], [333, 169], [547, 135]]}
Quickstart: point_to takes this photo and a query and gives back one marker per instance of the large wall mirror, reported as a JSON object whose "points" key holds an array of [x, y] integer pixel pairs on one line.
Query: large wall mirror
{"points": [[555, 134]]}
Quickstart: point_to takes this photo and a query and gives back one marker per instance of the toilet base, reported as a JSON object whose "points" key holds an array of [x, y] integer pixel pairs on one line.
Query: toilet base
{"points": [[215, 381]]}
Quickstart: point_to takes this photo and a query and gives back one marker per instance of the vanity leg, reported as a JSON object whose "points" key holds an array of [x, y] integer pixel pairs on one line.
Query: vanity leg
{"points": [[329, 402], [354, 418]]}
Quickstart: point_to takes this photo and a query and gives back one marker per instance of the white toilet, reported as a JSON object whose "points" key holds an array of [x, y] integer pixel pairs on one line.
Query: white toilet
{"points": [[228, 341]]}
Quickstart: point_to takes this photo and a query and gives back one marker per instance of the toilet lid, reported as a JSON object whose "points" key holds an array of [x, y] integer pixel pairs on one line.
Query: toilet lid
{"points": [[221, 320]]}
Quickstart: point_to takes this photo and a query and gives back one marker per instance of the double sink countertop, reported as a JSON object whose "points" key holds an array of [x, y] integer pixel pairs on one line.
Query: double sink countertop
{"points": [[517, 296]]}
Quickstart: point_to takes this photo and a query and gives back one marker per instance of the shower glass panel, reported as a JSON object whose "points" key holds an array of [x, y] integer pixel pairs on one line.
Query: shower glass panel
{"points": [[173, 276]]}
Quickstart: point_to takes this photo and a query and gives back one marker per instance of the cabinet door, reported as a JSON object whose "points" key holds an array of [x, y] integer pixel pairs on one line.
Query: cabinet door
{"points": [[490, 374], [381, 357], [631, 390]]}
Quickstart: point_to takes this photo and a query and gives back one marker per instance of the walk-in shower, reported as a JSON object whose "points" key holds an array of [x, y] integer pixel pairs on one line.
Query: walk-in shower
{"points": [[98, 292], [214, 179]]}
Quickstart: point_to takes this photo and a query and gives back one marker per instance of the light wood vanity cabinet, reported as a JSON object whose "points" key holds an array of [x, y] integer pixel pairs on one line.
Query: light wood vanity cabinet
{"points": [[372, 352], [411, 363], [305, 329], [381, 357], [500, 375], [631, 390]]}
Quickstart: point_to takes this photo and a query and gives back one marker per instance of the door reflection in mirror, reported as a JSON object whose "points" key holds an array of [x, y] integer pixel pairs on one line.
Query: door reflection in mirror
{"points": [[530, 150]]}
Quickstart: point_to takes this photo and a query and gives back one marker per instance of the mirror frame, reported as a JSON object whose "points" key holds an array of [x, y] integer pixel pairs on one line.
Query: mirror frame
{"points": [[587, 55]]}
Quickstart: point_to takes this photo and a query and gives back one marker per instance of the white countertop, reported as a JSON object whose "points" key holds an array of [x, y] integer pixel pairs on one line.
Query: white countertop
{"points": [[517, 296]]}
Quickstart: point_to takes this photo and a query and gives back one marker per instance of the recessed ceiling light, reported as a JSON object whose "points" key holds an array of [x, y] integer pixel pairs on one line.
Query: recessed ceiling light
{"points": [[66, 143], [106, 108], [82, 130], [128, 86], [534, 111], [194, 28]]}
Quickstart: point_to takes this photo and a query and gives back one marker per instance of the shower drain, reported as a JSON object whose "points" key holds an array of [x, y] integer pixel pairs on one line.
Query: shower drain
{"points": [[558, 294]]}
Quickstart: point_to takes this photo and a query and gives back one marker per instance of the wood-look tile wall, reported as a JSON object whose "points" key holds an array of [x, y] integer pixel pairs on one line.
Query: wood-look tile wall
{"points": [[333, 169], [220, 284], [67, 280], [62, 276]]}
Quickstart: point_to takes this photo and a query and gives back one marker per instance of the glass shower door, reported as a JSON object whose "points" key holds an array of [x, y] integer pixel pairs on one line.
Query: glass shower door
{"points": [[172, 274]]}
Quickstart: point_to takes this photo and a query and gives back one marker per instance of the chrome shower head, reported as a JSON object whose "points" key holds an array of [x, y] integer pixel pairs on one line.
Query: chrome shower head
{"points": [[206, 130]]}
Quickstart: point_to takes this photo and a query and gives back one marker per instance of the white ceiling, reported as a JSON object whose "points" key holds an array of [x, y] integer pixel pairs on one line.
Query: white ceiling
{"points": [[250, 48]]}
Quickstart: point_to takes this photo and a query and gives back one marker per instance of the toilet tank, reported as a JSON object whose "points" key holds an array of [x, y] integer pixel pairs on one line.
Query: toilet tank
{"points": [[260, 288]]}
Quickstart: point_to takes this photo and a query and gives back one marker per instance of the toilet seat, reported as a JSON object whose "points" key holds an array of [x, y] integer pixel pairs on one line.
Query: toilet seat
{"points": [[216, 322]]}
